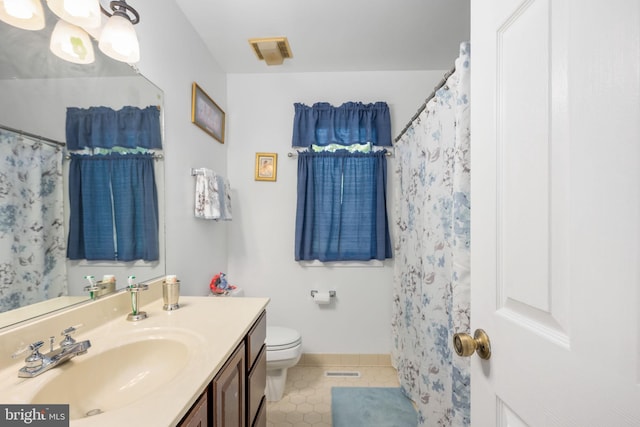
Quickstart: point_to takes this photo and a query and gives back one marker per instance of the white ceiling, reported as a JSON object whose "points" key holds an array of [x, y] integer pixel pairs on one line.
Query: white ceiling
{"points": [[333, 35]]}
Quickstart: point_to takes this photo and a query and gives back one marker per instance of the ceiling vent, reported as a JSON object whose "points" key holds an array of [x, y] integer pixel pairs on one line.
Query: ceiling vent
{"points": [[271, 50]]}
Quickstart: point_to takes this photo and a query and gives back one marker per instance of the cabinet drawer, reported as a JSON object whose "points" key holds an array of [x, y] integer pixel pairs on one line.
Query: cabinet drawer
{"points": [[256, 339], [256, 384]]}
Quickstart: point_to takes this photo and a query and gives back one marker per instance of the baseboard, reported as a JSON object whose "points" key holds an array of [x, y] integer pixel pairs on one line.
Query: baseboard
{"points": [[331, 359]]}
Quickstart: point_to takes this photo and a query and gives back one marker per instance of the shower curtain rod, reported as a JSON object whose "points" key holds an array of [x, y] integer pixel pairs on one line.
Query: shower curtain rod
{"points": [[33, 135], [424, 105]]}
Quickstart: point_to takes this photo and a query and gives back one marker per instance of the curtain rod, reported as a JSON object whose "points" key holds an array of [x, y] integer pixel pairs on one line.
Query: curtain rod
{"points": [[33, 135], [295, 154], [156, 156], [440, 84]]}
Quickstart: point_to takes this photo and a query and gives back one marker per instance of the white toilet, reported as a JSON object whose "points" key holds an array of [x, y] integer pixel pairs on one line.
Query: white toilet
{"points": [[284, 349]]}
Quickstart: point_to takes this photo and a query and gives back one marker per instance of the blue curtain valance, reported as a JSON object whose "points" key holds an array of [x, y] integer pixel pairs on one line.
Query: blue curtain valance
{"points": [[103, 127], [350, 123]]}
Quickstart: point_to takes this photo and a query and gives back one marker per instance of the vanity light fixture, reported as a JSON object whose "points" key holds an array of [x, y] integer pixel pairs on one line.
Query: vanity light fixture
{"points": [[69, 39], [71, 43], [119, 39], [24, 14]]}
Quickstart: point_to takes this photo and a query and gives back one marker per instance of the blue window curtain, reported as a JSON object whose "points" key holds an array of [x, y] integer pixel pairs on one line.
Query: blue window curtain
{"points": [[113, 208], [103, 127], [350, 123], [341, 211]]}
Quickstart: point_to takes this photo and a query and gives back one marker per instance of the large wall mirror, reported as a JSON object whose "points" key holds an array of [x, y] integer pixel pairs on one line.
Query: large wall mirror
{"points": [[36, 89]]}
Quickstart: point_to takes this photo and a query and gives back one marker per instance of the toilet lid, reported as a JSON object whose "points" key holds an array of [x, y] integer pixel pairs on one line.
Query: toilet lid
{"points": [[279, 338]]}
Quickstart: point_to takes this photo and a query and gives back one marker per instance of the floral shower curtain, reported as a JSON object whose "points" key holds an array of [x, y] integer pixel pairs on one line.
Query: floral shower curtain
{"points": [[32, 241], [432, 243]]}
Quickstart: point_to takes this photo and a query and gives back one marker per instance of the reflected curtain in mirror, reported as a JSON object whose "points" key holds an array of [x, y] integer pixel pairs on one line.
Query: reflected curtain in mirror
{"points": [[112, 189], [103, 127], [31, 221], [113, 207]]}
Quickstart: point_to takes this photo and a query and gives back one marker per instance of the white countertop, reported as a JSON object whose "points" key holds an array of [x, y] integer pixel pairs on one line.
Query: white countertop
{"points": [[213, 327]]}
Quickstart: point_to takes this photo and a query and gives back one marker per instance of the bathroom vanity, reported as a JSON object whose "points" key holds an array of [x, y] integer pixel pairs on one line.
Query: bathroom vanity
{"points": [[236, 397], [201, 365]]}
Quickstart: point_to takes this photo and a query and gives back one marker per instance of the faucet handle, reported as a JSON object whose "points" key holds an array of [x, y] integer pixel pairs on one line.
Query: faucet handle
{"points": [[71, 329], [34, 360], [33, 348], [66, 333]]}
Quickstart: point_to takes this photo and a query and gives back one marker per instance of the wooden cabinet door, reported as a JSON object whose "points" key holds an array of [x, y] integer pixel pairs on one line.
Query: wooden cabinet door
{"points": [[198, 415], [229, 392]]}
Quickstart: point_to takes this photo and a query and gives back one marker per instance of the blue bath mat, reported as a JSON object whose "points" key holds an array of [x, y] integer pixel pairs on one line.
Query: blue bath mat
{"points": [[371, 407]]}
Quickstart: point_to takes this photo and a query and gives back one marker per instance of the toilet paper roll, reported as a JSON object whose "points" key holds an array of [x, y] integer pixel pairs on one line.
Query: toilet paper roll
{"points": [[322, 298]]}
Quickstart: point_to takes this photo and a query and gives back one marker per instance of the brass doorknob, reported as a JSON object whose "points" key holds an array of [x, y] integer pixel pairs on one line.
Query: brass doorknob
{"points": [[465, 344]]}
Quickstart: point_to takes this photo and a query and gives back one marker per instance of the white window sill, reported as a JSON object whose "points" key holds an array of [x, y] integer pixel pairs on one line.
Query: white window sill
{"points": [[342, 264]]}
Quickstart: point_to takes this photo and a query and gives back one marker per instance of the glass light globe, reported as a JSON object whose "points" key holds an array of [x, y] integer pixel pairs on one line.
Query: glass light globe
{"points": [[83, 13], [24, 14], [119, 40], [71, 43]]}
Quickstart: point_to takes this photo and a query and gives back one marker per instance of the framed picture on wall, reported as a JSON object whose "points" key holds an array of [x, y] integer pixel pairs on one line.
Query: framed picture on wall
{"points": [[206, 114], [266, 166]]}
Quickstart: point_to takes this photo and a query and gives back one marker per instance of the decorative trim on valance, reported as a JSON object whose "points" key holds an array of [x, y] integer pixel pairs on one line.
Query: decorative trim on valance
{"points": [[103, 127], [350, 123]]}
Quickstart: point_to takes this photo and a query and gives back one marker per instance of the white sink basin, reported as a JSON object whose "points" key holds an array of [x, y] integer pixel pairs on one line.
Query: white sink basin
{"points": [[94, 384]]}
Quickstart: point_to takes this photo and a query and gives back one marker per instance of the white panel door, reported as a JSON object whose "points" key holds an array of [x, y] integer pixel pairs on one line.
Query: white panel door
{"points": [[555, 226]]}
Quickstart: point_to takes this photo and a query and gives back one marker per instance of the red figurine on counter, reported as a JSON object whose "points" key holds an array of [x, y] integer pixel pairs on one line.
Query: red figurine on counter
{"points": [[219, 284]]}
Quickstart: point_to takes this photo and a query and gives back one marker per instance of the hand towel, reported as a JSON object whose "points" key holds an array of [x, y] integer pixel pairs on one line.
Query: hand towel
{"points": [[224, 195], [207, 198]]}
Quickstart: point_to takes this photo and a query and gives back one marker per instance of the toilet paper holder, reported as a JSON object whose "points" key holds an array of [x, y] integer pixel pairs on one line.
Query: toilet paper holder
{"points": [[331, 293]]}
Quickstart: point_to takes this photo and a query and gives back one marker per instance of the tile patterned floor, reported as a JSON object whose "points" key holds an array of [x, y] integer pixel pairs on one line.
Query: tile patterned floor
{"points": [[307, 397]]}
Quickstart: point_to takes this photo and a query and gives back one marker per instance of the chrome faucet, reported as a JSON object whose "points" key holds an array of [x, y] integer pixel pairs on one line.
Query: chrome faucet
{"points": [[37, 363]]}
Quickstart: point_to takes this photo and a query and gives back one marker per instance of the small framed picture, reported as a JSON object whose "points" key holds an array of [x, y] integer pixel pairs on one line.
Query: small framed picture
{"points": [[206, 114], [266, 165]]}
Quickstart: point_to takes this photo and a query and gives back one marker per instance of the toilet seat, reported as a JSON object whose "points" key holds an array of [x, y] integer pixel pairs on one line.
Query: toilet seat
{"points": [[279, 338]]}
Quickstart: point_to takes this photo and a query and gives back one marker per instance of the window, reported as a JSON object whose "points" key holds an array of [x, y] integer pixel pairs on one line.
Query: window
{"points": [[341, 211], [341, 208]]}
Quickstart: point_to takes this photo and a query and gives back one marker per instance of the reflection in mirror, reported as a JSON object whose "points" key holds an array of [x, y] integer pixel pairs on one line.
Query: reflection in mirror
{"points": [[37, 87]]}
